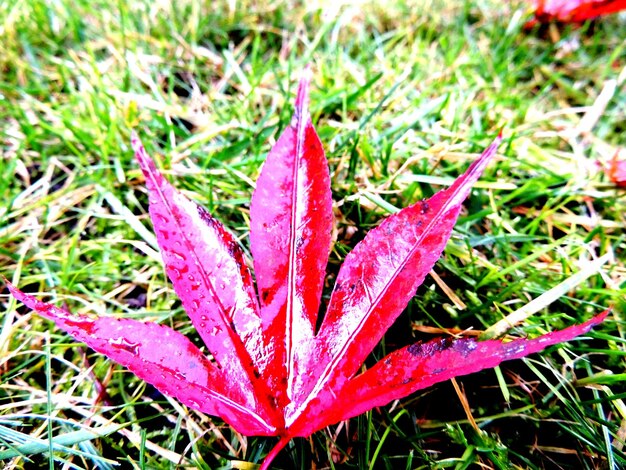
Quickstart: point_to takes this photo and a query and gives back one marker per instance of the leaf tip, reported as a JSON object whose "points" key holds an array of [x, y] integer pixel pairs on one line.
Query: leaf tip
{"points": [[134, 137], [302, 96], [600, 317], [145, 162], [15, 292], [28, 300]]}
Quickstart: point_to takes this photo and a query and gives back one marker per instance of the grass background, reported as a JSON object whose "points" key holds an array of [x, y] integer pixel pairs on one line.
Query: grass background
{"points": [[404, 95]]}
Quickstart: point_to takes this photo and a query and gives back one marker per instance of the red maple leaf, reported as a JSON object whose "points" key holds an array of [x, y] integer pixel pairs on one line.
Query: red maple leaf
{"points": [[270, 371], [574, 11]]}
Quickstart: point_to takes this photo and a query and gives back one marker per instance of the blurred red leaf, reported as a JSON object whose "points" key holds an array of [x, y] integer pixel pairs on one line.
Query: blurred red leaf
{"points": [[574, 11], [616, 171], [270, 372]]}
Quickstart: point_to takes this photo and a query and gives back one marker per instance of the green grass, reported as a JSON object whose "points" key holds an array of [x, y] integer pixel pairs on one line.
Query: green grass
{"points": [[405, 94]]}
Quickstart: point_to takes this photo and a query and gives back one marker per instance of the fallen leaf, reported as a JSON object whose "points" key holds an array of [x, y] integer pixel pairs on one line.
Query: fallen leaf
{"points": [[616, 171], [573, 11], [270, 371]]}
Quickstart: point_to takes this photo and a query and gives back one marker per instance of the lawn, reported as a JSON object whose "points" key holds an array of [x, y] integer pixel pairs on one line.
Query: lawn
{"points": [[404, 96]]}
